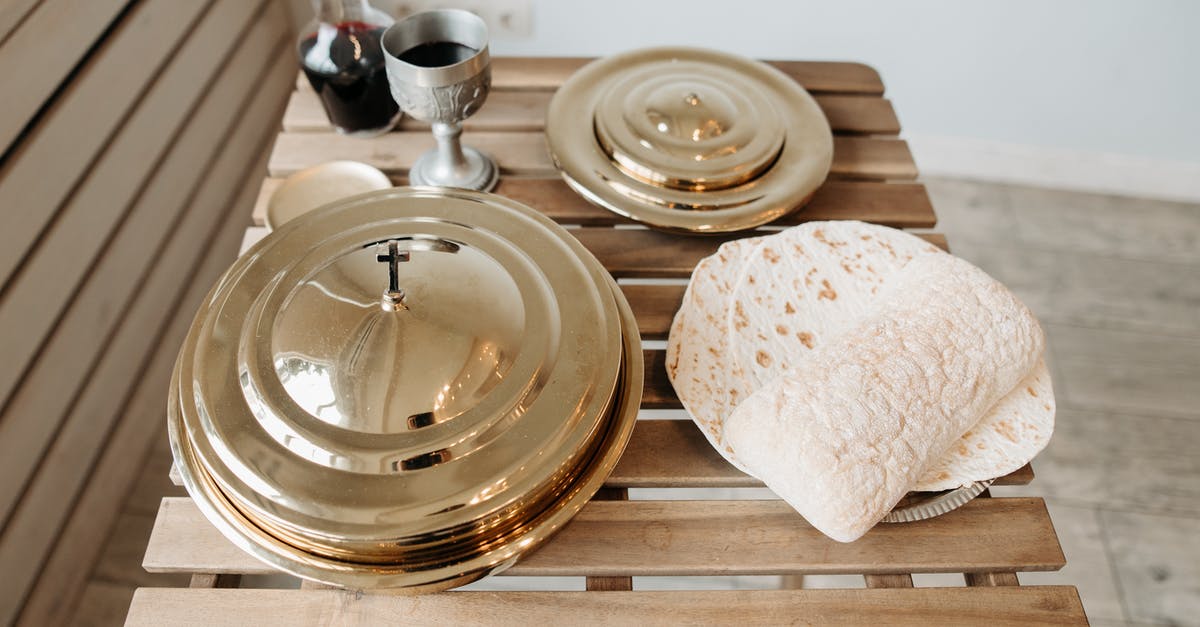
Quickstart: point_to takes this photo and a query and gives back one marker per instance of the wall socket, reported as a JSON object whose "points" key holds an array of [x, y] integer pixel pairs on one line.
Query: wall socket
{"points": [[506, 19]]}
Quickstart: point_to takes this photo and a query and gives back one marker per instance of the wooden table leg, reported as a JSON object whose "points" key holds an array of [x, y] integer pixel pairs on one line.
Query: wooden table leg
{"points": [[210, 580], [791, 582], [610, 583], [975, 580], [991, 579], [889, 581]]}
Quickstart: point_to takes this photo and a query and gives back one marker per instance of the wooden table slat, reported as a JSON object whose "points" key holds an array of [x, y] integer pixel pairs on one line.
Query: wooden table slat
{"points": [[649, 254], [749, 537], [525, 153], [900, 205], [674, 454], [641, 253], [916, 607], [815, 76], [508, 110], [544, 73]]}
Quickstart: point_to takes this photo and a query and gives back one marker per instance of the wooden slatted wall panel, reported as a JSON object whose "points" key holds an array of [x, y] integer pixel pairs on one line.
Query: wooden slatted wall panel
{"points": [[39, 173], [55, 33], [133, 188]]}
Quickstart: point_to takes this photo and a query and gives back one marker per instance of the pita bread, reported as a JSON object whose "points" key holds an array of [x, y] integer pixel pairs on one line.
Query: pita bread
{"points": [[808, 285], [849, 430]]}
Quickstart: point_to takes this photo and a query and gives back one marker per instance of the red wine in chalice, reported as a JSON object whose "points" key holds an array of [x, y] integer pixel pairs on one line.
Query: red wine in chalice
{"points": [[437, 54]]}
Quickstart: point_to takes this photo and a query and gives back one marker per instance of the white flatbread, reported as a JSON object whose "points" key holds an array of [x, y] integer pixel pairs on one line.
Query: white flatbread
{"points": [[850, 429], [710, 379]]}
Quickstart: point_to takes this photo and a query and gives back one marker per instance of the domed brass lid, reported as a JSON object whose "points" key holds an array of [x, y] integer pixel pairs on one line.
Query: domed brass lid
{"points": [[403, 388], [689, 139], [689, 126]]}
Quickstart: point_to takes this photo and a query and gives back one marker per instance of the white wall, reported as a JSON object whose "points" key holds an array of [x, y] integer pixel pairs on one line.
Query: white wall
{"points": [[1097, 76]]}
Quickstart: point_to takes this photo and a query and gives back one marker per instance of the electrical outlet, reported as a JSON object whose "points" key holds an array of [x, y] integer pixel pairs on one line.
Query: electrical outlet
{"points": [[506, 19]]}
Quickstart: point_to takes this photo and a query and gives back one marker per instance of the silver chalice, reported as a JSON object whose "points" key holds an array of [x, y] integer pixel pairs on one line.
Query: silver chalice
{"points": [[440, 72]]}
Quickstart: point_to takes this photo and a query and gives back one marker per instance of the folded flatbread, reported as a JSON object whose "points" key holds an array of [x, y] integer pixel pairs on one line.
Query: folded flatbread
{"points": [[760, 306], [850, 429]]}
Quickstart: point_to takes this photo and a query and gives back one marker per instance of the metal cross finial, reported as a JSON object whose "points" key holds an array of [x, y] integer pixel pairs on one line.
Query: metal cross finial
{"points": [[393, 296]]}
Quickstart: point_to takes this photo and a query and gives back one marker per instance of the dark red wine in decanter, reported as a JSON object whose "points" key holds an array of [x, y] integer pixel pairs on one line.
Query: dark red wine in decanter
{"points": [[341, 55]]}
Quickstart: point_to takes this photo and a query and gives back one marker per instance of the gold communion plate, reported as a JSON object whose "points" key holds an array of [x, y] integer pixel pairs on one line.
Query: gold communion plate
{"points": [[409, 388], [689, 139]]}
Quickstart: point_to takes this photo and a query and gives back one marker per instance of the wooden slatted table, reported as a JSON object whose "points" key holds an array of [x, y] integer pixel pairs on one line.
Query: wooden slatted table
{"points": [[613, 538]]}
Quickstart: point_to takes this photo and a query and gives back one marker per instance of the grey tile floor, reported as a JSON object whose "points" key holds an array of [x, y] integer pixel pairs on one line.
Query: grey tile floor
{"points": [[1116, 283]]}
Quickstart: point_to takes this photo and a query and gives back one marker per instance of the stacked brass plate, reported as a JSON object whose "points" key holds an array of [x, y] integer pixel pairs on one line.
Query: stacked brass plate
{"points": [[409, 388], [688, 139]]}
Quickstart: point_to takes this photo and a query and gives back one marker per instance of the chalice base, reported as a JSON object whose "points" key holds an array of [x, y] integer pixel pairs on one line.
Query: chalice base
{"points": [[480, 172]]}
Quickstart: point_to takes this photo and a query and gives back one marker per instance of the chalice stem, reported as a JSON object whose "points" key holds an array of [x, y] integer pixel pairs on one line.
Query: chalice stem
{"points": [[451, 162]]}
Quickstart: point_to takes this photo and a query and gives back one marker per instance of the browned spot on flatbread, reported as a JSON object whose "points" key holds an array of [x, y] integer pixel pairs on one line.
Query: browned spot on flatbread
{"points": [[808, 277], [962, 449], [787, 308], [780, 329], [866, 237], [828, 293], [1031, 392], [805, 338], [980, 446], [1047, 406], [847, 268], [819, 235], [943, 475], [740, 321], [1005, 429], [763, 358], [770, 255], [750, 279], [715, 353]]}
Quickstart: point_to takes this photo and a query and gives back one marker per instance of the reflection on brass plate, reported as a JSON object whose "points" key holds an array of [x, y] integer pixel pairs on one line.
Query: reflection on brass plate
{"points": [[411, 388], [689, 139]]}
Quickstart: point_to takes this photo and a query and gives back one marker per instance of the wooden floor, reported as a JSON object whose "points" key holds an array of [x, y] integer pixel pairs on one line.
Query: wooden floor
{"points": [[1116, 283]]}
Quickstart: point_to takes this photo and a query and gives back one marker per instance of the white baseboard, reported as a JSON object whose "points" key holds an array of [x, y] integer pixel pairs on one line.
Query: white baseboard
{"points": [[1124, 175]]}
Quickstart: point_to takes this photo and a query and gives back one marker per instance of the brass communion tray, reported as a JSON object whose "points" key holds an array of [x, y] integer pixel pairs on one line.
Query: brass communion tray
{"points": [[409, 388], [689, 139]]}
